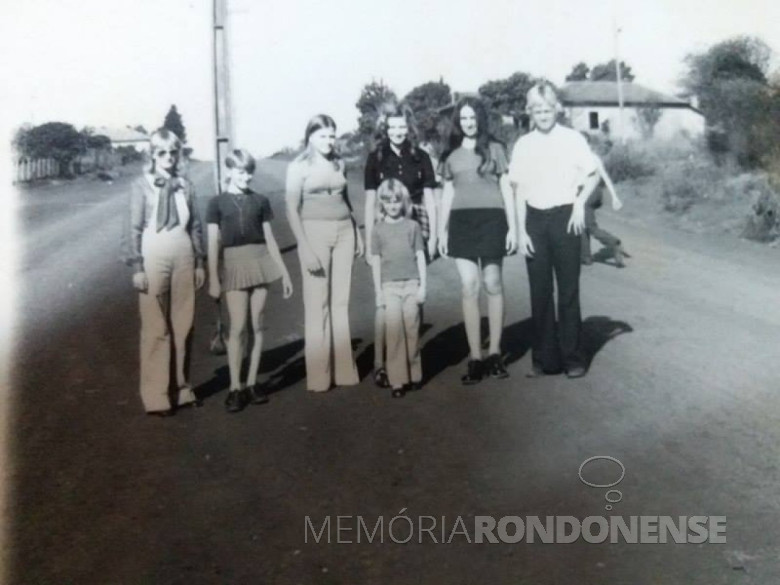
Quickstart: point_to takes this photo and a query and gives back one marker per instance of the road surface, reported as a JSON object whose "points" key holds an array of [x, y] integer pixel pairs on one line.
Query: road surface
{"points": [[682, 390]]}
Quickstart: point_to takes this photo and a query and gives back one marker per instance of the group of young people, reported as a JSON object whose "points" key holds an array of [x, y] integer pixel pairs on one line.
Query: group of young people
{"points": [[490, 206]]}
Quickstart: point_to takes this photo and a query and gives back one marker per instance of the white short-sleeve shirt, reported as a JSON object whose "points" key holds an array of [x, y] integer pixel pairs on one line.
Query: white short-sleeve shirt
{"points": [[550, 168]]}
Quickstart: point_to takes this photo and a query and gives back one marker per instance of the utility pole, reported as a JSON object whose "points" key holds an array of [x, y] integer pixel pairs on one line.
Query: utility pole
{"points": [[617, 31], [222, 120]]}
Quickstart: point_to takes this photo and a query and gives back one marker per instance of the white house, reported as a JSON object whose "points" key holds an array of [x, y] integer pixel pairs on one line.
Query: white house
{"points": [[125, 137], [592, 106]]}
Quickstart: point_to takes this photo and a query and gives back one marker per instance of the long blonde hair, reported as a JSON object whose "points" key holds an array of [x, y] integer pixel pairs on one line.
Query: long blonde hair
{"points": [[390, 189], [318, 122]]}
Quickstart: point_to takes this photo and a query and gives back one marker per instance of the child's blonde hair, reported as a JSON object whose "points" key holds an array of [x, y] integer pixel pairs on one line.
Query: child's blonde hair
{"points": [[160, 139], [543, 92], [393, 189]]}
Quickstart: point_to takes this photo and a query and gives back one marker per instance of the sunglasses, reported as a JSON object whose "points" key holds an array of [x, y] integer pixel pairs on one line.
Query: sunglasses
{"points": [[164, 153]]}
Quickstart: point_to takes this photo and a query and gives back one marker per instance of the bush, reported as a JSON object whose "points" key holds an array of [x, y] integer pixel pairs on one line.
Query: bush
{"points": [[763, 223], [625, 162], [686, 184]]}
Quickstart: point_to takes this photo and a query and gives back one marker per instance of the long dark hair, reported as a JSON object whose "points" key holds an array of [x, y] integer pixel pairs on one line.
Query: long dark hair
{"points": [[484, 136], [380, 139]]}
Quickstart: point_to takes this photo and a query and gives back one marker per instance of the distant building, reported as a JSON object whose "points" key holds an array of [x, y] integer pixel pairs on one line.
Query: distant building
{"points": [[592, 107], [125, 137]]}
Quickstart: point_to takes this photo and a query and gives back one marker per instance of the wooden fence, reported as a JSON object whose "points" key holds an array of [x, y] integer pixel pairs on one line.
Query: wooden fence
{"points": [[30, 169]]}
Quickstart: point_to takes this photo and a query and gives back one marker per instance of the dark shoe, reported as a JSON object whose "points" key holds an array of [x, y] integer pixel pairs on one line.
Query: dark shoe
{"points": [[495, 367], [235, 401], [258, 394], [414, 386], [575, 372], [587, 260], [380, 378], [619, 255], [474, 374], [161, 413], [398, 393]]}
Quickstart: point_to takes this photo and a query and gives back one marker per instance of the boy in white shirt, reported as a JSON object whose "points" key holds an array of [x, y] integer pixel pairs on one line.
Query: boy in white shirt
{"points": [[553, 172]]}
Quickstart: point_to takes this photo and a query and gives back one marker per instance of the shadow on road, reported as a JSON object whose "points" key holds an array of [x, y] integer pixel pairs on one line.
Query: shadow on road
{"points": [[597, 330]]}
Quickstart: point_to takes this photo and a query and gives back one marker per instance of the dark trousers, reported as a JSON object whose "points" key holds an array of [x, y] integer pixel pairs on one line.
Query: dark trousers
{"points": [[555, 345], [592, 229]]}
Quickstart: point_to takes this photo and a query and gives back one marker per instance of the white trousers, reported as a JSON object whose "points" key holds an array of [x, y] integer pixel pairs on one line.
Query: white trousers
{"points": [[328, 349], [167, 311], [402, 326]]}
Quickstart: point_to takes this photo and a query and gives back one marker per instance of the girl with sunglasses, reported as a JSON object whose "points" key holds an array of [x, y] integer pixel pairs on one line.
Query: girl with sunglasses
{"points": [[164, 246]]}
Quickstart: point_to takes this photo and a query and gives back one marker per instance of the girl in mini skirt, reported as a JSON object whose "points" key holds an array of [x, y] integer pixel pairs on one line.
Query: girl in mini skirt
{"points": [[239, 222]]}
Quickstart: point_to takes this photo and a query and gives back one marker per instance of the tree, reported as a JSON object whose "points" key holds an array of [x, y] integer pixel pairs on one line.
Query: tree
{"points": [[507, 96], [174, 124], [579, 72], [425, 101], [730, 80], [372, 97], [56, 140], [606, 72]]}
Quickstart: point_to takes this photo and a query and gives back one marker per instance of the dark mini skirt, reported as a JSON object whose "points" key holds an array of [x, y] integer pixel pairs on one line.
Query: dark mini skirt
{"points": [[248, 266], [477, 233]]}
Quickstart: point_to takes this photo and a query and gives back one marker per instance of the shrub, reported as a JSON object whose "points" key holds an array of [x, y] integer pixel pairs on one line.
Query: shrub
{"points": [[690, 182], [625, 162]]}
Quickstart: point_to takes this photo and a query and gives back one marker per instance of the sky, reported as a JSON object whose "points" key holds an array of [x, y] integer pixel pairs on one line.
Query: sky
{"points": [[114, 63]]}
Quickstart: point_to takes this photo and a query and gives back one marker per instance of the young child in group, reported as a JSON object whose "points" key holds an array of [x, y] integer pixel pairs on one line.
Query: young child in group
{"points": [[239, 222], [398, 266], [163, 243]]}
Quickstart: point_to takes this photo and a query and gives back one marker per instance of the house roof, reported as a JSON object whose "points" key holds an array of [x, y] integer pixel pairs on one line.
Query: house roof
{"points": [[605, 93], [122, 134]]}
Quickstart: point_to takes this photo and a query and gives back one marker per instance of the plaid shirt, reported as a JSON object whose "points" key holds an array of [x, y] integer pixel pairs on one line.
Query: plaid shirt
{"points": [[420, 215]]}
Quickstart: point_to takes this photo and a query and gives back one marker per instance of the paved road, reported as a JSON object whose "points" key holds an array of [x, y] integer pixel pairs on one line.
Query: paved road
{"points": [[682, 390]]}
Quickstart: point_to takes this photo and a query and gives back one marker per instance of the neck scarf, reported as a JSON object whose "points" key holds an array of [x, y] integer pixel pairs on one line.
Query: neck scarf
{"points": [[167, 215]]}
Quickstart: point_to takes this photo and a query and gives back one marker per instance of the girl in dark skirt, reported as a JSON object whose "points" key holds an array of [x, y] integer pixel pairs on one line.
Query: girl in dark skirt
{"points": [[478, 227], [239, 221]]}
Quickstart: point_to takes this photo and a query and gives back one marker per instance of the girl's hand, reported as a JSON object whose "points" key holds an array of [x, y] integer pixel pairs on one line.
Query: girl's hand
{"points": [[443, 248], [432, 245], [511, 242], [287, 286], [140, 282], [380, 299], [360, 249], [214, 288], [200, 278], [525, 245], [577, 219], [617, 204], [311, 262], [421, 294]]}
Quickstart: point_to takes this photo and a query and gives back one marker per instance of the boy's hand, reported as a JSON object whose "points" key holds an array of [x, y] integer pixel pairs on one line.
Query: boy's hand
{"points": [[421, 294], [577, 220], [380, 299], [617, 204], [214, 288], [525, 245]]}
